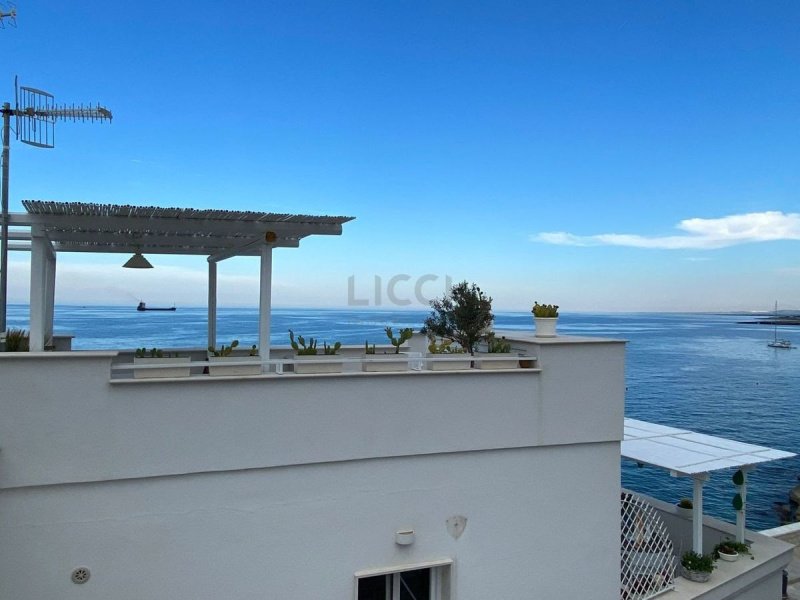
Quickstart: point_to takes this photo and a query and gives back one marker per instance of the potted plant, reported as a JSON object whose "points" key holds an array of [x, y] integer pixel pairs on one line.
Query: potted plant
{"points": [[306, 361], [726, 552], [16, 340], [154, 356], [697, 567], [463, 315], [497, 348], [545, 317], [378, 362], [685, 507], [730, 550], [225, 354], [446, 349]]}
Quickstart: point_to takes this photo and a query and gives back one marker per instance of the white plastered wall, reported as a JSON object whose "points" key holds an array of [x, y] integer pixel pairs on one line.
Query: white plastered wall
{"points": [[302, 532]]}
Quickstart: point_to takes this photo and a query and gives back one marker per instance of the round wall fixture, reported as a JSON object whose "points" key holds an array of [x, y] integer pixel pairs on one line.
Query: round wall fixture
{"points": [[80, 575]]}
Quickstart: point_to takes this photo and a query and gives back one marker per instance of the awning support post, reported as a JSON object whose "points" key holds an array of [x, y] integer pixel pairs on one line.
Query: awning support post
{"points": [[50, 297], [265, 306], [741, 515], [212, 304], [697, 511], [42, 262]]}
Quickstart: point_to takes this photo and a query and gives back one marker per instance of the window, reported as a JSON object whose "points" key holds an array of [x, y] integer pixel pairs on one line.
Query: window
{"points": [[430, 583]]}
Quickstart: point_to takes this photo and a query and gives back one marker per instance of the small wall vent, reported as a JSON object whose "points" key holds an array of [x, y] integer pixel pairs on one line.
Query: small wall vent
{"points": [[80, 575]]}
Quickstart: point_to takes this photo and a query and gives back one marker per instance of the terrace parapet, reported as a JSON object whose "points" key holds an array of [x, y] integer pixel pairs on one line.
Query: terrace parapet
{"points": [[65, 420]]}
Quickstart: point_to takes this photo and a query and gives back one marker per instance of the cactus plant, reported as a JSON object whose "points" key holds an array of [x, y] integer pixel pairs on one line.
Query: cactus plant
{"points": [[405, 335], [224, 350], [443, 347], [145, 353], [496, 346], [301, 347], [331, 350]]}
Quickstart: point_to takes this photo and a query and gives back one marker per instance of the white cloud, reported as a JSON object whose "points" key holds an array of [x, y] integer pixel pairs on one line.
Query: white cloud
{"points": [[699, 234]]}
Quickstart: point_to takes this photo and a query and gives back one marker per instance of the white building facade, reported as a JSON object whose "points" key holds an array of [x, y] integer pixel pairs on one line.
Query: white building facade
{"points": [[419, 484]]}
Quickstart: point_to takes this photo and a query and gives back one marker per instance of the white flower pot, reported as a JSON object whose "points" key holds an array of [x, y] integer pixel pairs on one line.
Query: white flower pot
{"points": [[161, 373], [728, 557], [511, 361], [218, 368], [545, 326], [310, 364], [454, 362]]}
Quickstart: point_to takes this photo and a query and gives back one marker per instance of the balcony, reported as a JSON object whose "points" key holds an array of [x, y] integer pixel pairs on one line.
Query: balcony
{"points": [[756, 576]]}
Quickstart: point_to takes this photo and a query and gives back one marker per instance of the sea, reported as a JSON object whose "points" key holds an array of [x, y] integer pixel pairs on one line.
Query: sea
{"points": [[705, 372]]}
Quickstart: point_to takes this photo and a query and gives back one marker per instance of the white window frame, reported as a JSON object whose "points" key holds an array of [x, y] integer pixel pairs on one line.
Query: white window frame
{"points": [[441, 586]]}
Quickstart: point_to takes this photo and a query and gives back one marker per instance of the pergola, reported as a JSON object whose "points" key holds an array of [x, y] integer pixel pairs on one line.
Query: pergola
{"points": [[687, 453], [106, 228]]}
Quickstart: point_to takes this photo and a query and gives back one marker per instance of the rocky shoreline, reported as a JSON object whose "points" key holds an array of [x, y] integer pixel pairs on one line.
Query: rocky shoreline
{"points": [[772, 321]]}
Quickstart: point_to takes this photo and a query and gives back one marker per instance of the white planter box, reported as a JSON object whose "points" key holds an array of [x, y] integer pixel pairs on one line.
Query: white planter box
{"points": [[511, 360], [454, 362], [545, 326], [376, 363], [217, 366], [307, 365], [161, 373]]}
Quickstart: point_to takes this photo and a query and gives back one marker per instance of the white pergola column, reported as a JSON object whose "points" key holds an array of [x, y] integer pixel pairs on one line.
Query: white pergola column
{"points": [[741, 515], [41, 255], [50, 296], [697, 511], [212, 304], [265, 305]]}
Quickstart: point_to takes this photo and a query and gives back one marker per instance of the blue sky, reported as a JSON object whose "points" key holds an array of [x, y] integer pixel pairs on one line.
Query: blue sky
{"points": [[601, 156]]}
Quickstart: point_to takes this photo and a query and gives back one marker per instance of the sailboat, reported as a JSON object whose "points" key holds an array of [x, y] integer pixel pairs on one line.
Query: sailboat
{"points": [[779, 343]]}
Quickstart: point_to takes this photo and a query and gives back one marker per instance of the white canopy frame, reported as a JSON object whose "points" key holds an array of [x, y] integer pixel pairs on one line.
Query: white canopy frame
{"points": [[104, 228], [686, 453]]}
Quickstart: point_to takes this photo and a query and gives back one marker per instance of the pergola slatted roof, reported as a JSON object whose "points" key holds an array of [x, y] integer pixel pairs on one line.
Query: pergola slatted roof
{"points": [[87, 227], [687, 452], [52, 227]]}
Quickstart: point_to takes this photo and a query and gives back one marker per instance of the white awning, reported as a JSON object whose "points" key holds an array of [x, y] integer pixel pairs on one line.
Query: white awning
{"points": [[688, 453], [685, 452]]}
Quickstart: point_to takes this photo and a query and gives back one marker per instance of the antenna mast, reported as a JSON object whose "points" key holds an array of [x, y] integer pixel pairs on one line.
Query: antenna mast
{"points": [[9, 13], [36, 115]]}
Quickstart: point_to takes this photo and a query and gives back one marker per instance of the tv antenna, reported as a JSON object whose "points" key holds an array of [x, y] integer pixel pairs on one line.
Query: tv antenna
{"points": [[36, 114], [10, 13]]}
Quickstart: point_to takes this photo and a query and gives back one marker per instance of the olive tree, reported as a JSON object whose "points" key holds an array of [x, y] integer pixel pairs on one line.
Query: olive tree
{"points": [[462, 315]]}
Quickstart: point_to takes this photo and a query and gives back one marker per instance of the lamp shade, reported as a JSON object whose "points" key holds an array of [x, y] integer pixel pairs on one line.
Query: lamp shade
{"points": [[137, 261]]}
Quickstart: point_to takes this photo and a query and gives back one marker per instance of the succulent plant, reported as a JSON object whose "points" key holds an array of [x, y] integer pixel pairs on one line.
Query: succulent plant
{"points": [[549, 311], [223, 349], [405, 335]]}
